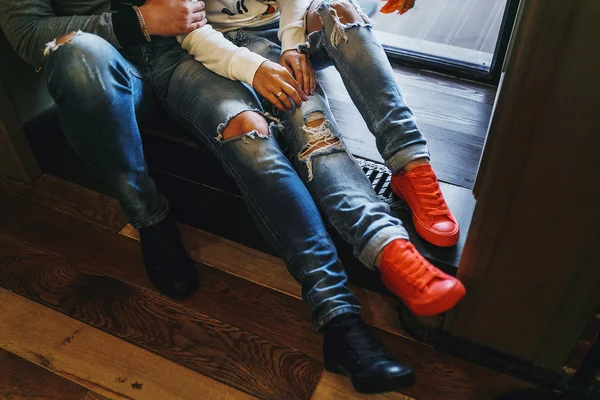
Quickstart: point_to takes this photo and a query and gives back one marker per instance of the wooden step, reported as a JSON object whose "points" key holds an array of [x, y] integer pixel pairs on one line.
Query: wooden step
{"points": [[98, 256], [266, 270], [96, 360], [335, 387], [186, 335], [21, 379]]}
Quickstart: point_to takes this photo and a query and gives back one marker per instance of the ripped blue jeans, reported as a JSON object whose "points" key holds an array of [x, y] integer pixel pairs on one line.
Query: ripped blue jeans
{"points": [[367, 75], [292, 180], [318, 165]]}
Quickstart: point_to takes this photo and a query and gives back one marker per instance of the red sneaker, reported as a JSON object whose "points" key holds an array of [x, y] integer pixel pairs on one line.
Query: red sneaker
{"points": [[422, 287], [433, 220]]}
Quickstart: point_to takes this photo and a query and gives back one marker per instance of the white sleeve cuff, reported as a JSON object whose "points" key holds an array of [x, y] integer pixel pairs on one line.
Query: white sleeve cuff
{"points": [[245, 65], [292, 37]]}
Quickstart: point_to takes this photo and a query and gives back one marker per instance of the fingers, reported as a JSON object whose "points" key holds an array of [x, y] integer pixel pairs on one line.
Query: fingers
{"points": [[196, 6], [293, 93], [272, 79], [305, 66], [196, 25], [287, 65], [299, 73], [313, 80], [285, 100], [298, 92], [269, 92], [298, 65], [275, 101], [198, 17]]}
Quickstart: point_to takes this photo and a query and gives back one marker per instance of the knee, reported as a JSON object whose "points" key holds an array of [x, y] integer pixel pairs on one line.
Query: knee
{"points": [[75, 45], [319, 134], [77, 62], [245, 122], [314, 119], [345, 11], [313, 19]]}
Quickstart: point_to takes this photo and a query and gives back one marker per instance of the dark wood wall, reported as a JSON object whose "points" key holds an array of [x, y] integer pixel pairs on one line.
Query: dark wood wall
{"points": [[532, 260]]}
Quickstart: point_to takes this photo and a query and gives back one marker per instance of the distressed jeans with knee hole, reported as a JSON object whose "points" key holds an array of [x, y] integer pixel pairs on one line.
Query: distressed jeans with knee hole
{"points": [[101, 92], [366, 72], [313, 142]]}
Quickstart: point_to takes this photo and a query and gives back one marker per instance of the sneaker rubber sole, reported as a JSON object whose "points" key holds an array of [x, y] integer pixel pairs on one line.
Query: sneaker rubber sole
{"points": [[445, 240], [439, 305]]}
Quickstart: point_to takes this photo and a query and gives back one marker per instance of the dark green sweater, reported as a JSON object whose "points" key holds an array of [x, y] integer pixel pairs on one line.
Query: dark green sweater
{"points": [[30, 24]]}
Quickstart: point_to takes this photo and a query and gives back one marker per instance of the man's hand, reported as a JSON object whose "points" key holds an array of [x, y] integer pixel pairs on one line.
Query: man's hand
{"points": [[277, 85], [298, 64], [173, 17]]}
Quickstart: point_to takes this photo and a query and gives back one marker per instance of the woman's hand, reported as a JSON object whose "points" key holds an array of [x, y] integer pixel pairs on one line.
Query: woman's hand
{"points": [[298, 64], [277, 85]]}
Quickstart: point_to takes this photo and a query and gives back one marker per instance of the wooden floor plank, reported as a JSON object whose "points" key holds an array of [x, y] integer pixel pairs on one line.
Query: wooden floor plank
{"points": [[476, 97], [13, 187], [96, 360], [87, 244], [439, 375], [71, 199], [269, 271], [237, 259], [93, 396], [453, 117], [332, 386], [21, 379], [199, 342]]}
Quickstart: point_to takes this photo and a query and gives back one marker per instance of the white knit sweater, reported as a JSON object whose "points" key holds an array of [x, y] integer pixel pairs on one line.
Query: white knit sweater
{"points": [[211, 48]]}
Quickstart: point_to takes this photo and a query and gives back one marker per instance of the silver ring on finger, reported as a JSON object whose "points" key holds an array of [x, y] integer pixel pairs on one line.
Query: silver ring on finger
{"points": [[278, 95]]}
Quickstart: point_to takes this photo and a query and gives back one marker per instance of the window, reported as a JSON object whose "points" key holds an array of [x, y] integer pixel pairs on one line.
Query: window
{"points": [[467, 38]]}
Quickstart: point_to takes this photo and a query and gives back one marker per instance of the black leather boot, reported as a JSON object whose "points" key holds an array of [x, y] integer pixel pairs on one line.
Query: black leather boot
{"points": [[168, 266], [351, 349]]}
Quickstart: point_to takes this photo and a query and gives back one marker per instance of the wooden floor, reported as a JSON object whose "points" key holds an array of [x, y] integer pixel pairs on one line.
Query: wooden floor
{"points": [[80, 320]]}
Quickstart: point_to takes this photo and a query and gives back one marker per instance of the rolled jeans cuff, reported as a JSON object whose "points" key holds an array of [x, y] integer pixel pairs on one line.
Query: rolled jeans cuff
{"points": [[153, 220], [337, 311], [404, 156], [376, 245]]}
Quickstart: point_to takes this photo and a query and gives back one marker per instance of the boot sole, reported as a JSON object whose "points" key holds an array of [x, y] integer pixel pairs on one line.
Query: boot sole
{"points": [[373, 385]]}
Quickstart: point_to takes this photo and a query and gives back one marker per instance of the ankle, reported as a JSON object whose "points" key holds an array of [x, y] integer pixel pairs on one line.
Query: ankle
{"points": [[158, 230], [342, 322], [392, 250], [167, 221], [379, 258], [415, 163]]}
